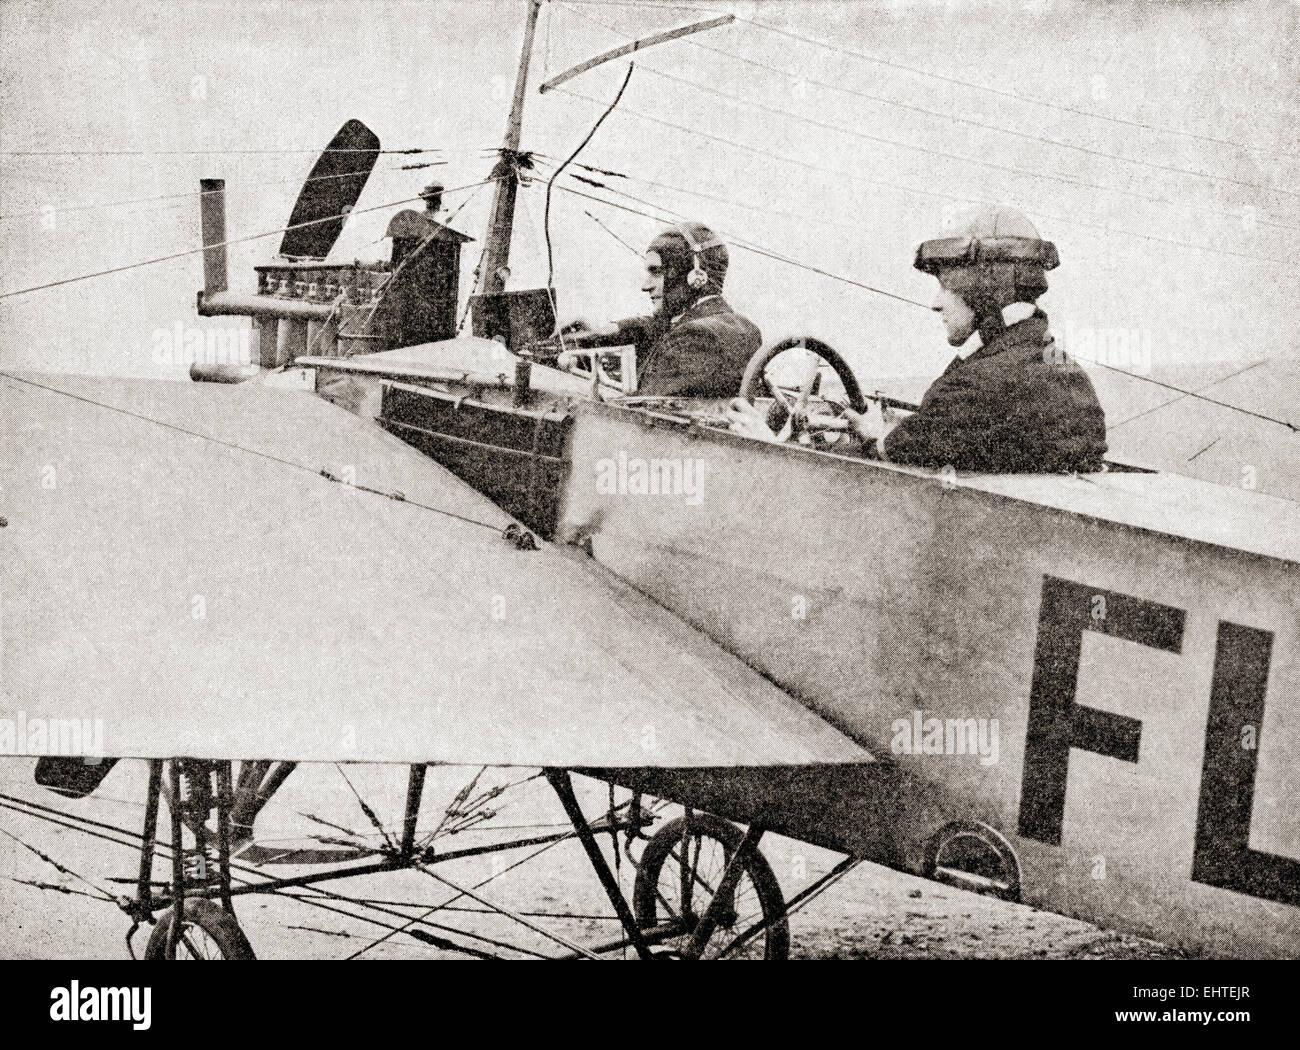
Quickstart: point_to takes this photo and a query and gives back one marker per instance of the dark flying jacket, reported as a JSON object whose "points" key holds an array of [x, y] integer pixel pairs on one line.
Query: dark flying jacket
{"points": [[703, 352], [1016, 406]]}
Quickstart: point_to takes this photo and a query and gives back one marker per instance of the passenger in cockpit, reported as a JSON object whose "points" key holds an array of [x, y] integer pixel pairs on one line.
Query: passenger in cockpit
{"points": [[694, 344], [1018, 404]]}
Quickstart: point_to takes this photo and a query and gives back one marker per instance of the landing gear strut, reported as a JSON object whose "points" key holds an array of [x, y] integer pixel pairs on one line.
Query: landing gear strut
{"points": [[193, 927], [702, 888]]}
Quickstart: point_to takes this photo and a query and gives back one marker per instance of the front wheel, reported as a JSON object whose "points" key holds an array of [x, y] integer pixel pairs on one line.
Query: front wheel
{"points": [[208, 932], [675, 882]]}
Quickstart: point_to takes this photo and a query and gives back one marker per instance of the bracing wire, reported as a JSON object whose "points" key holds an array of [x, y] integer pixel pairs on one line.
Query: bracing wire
{"points": [[395, 496], [105, 205], [1201, 397], [930, 151], [766, 211], [1199, 390], [102, 206], [742, 244], [318, 894], [611, 233], [856, 177], [897, 144], [880, 291], [227, 243], [812, 81], [1004, 93], [817, 220], [197, 152], [1027, 136], [972, 84]]}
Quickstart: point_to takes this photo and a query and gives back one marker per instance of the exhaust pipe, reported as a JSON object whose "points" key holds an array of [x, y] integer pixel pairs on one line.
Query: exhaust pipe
{"points": [[212, 219], [282, 324]]}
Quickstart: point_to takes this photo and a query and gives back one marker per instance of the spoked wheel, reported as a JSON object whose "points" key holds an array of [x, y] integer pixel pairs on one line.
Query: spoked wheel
{"points": [[208, 932], [794, 407], [675, 882]]}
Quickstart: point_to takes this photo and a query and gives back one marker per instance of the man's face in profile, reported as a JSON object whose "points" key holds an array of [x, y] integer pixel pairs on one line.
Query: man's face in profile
{"points": [[957, 316], [654, 280]]}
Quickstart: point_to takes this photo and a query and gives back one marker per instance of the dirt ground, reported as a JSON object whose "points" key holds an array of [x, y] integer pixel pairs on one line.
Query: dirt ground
{"points": [[872, 913]]}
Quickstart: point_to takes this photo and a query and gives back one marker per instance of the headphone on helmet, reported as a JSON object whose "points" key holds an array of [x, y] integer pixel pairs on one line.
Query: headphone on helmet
{"points": [[697, 278]]}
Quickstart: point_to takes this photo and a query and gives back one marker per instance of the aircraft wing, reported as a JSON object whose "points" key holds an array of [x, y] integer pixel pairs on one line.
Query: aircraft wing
{"points": [[465, 360], [226, 571], [1202, 440]]}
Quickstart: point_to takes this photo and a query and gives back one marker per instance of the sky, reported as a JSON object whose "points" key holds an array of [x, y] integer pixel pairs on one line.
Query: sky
{"points": [[841, 154]]}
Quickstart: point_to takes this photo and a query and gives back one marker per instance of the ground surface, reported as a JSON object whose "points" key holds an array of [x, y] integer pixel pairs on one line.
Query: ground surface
{"points": [[870, 914]]}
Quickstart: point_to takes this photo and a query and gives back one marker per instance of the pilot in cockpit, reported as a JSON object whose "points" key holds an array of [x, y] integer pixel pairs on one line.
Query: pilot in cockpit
{"points": [[693, 344], [1017, 404]]}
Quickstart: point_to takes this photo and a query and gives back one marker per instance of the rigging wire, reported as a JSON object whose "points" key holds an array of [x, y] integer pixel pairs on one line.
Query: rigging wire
{"points": [[394, 496], [1013, 94], [855, 177], [802, 217], [611, 233], [488, 911], [1201, 397], [764, 153], [320, 894], [742, 244], [911, 107], [604, 171], [798, 216], [199, 152], [452, 900], [1163, 404], [1010, 169], [235, 240], [1002, 92], [461, 206], [105, 205], [99, 894], [85, 830], [846, 280], [970, 121]]}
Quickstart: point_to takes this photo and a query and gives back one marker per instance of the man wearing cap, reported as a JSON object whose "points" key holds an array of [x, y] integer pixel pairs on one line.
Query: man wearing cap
{"points": [[1017, 404], [693, 344]]}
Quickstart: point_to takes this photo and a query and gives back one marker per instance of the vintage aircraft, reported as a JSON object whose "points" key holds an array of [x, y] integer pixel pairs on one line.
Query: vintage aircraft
{"points": [[1077, 692]]}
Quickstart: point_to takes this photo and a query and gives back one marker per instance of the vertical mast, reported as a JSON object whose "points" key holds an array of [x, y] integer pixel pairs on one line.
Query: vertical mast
{"points": [[496, 251]]}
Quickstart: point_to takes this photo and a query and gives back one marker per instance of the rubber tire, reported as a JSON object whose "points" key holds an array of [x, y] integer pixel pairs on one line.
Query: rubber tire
{"points": [[213, 920], [761, 359], [660, 847]]}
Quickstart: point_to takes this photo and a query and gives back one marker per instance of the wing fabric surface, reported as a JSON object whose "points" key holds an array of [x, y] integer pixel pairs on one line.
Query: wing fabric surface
{"points": [[1155, 427], [218, 596]]}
